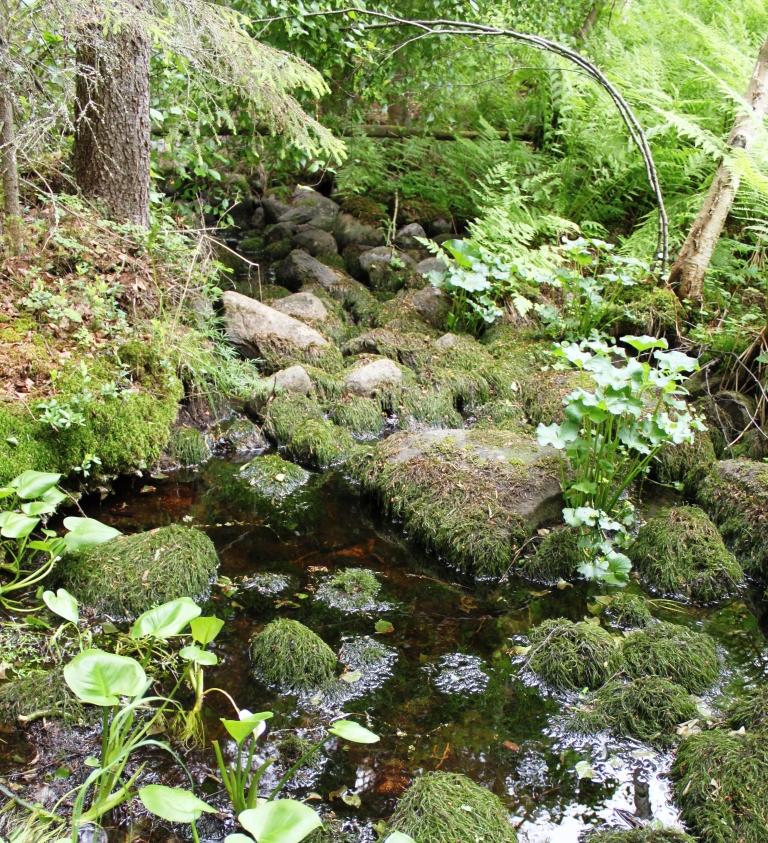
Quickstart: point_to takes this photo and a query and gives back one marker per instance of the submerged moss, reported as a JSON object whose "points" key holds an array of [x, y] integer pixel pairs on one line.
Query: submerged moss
{"points": [[641, 835], [129, 574], [649, 709], [571, 656], [680, 552], [627, 610], [273, 477], [748, 710], [721, 784], [556, 558], [42, 693], [448, 808], [672, 652], [288, 654]]}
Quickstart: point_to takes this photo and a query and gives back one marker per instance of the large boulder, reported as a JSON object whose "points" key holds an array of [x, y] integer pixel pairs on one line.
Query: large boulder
{"points": [[315, 241], [473, 496], [274, 208], [349, 230], [261, 331], [386, 269], [373, 377], [301, 268], [431, 304], [408, 236], [305, 306], [293, 379], [310, 207]]}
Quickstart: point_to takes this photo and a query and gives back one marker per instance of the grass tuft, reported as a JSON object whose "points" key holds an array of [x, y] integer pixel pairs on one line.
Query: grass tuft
{"points": [[273, 477], [749, 710], [571, 656], [42, 693], [289, 655], [628, 611], [556, 558], [641, 835]]}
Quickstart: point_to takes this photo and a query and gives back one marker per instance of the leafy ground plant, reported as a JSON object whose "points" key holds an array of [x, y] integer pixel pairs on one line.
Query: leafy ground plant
{"points": [[610, 436]]}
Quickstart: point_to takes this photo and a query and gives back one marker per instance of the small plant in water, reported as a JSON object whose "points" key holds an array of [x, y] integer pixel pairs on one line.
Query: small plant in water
{"points": [[610, 436]]}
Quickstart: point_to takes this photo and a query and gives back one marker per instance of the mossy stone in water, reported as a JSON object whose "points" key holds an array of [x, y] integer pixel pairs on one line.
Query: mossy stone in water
{"points": [[627, 610], [273, 477], [687, 463], [188, 447], [721, 785], [362, 417], [451, 808], [556, 558], [353, 587], [673, 652], [748, 710], [288, 654], [569, 655], [649, 709], [42, 693], [680, 552], [641, 835], [130, 574]]}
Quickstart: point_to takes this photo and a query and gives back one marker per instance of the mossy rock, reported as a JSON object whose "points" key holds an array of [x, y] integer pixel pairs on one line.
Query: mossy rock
{"points": [[628, 611], [571, 656], [22, 648], [641, 835], [272, 477], [653, 311], [362, 417], [420, 407], [297, 423], [501, 414], [735, 495], [351, 589], [473, 497], [687, 464], [721, 785], [749, 709], [130, 574], [451, 808], [649, 709], [41, 693], [289, 655], [543, 392], [556, 558], [188, 447], [242, 436], [673, 652], [680, 552]]}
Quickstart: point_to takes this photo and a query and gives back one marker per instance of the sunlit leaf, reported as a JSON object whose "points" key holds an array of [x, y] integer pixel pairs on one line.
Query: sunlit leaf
{"points": [[63, 604], [354, 732], [166, 620], [205, 629], [101, 678], [173, 803], [280, 821], [34, 484], [87, 532]]}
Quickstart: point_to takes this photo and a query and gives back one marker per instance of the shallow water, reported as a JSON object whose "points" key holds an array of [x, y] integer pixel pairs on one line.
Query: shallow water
{"points": [[449, 692]]}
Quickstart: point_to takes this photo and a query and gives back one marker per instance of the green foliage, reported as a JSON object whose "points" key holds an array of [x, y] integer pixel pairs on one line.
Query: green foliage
{"points": [[721, 784], [748, 709], [556, 558], [571, 656], [351, 589], [671, 652], [288, 654], [151, 567], [611, 435], [446, 807], [188, 447], [273, 477], [680, 552], [647, 834], [361, 416], [626, 610]]}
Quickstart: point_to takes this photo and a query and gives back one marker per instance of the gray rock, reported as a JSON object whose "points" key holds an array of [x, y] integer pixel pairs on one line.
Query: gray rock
{"points": [[305, 306], [429, 265], [370, 378], [386, 269], [406, 236], [279, 231], [279, 250], [257, 329], [294, 379], [351, 255], [439, 226], [301, 268], [258, 218], [446, 341], [348, 229], [432, 305], [315, 241], [273, 208], [242, 436], [309, 206], [242, 212]]}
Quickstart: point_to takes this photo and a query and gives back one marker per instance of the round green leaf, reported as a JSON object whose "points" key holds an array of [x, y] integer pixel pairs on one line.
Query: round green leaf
{"points": [[205, 630], [14, 525], [62, 604], [165, 620], [354, 732], [241, 729], [173, 803], [34, 484], [281, 821], [101, 678], [86, 532], [198, 655]]}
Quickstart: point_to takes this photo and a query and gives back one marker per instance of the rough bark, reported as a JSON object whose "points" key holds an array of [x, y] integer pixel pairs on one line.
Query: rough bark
{"points": [[687, 274], [111, 149], [8, 163], [591, 19]]}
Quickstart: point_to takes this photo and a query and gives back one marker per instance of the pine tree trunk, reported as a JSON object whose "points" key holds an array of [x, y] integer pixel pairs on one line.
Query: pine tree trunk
{"points": [[687, 274], [8, 163], [111, 150]]}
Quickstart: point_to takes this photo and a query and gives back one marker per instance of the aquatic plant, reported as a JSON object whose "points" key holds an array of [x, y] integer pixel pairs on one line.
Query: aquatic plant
{"points": [[288, 654], [557, 557], [673, 652], [626, 610], [649, 709], [748, 709], [273, 477], [680, 552], [648, 834], [571, 656], [448, 807], [151, 567], [721, 785]]}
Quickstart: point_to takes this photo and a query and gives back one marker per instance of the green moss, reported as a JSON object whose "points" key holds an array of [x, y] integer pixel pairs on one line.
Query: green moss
{"points": [[361, 416], [130, 574], [22, 649], [651, 310], [288, 654], [358, 584], [627, 610], [687, 464], [748, 710], [273, 477], [450, 808], [42, 693], [325, 357], [297, 424], [649, 709], [680, 552], [721, 785], [428, 407], [571, 656], [641, 835], [501, 414], [542, 393], [672, 652], [556, 558], [188, 447]]}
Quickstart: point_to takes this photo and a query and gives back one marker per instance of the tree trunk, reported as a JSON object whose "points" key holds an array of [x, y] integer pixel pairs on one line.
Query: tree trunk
{"points": [[8, 163], [687, 274], [591, 19], [111, 150]]}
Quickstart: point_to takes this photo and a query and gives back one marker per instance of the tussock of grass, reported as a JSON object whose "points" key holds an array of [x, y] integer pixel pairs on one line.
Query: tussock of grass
{"points": [[361, 416], [130, 574], [641, 835], [569, 655], [358, 583], [448, 808], [672, 652], [188, 447], [288, 654], [556, 557], [501, 414], [628, 611], [721, 785], [273, 477], [680, 552], [649, 709], [749, 710], [42, 693], [428, 407]]}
